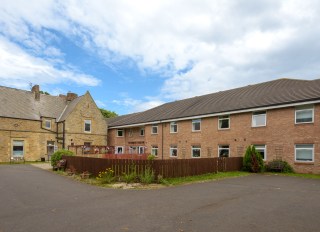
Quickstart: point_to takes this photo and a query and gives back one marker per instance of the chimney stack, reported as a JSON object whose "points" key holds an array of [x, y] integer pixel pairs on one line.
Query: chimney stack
{"points": [[71, 96], [36, 90]]}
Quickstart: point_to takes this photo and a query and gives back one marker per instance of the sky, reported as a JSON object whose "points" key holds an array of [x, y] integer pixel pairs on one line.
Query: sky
{"points": [[135, 55]]}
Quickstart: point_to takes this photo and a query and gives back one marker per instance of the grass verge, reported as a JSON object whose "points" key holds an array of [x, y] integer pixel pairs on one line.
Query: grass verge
{"points": [[308, 176]]}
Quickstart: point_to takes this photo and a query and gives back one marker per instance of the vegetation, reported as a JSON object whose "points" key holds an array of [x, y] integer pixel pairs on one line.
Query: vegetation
{"points": [[58, 156], [106, 177], [44, 92], [308, 176], [280, 166], [151, 157], [147, 177], [252, 160], [108, 113]]}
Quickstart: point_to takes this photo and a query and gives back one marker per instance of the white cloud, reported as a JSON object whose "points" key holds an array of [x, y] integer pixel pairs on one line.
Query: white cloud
{"points": [[135, 105], [198, 47]]}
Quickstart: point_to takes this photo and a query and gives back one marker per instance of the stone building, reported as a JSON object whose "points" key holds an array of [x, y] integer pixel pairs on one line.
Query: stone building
{"points": [[34, 125], [281, 118]]}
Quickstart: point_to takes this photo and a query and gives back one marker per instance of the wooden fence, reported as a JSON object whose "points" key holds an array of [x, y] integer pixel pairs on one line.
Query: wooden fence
{"points": [[165, 168]]}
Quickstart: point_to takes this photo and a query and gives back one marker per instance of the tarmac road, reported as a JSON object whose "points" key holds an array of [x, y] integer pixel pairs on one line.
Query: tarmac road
{"points": [[32, 199]]}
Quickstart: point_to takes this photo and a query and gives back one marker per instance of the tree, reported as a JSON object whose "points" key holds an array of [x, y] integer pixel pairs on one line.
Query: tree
{"points": [[108, 113], [44, 92], [252, 160]]}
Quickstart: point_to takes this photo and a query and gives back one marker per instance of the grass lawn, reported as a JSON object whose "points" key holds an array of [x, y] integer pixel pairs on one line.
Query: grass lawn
{"points": [[309, 176]]}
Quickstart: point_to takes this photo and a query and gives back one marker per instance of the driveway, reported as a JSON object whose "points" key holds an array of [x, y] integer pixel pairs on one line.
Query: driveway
{"points": [[33, 199]]}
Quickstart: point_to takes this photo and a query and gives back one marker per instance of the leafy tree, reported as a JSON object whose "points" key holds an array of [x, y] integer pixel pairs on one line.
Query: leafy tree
{"points": [[108, 113], [44, 92], [252, 160]]}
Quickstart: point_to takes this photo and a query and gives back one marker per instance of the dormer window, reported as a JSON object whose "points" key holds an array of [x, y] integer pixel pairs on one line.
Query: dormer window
{"points": [[47, 124]]}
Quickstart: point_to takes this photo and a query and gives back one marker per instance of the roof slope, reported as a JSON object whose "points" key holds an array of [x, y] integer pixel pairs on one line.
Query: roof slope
{"points": [[277, 92], [16, 103]]}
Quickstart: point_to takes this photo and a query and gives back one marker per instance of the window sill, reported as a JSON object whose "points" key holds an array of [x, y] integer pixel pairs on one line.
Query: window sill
{"points": [[304, 162], [223, 129], [197, 131]]}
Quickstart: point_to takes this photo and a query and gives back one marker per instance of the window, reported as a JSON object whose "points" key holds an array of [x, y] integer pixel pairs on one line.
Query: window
{"points": [[87, 125], [120, 132], [224, 151], [196, 151], [119, 150], [173, 151], [154, 129], [141, 150], [130, 133], [48, 124], [17, 148], [173, 127], [224, 122], [262, 150], [304, 114], [196, 125], [154, 150], [142, 131], [304, 152], [259, 119]]}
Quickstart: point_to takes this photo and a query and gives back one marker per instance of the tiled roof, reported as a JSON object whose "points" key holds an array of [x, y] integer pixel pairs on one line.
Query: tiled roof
{"points": [[16, 103], [272, 93]]}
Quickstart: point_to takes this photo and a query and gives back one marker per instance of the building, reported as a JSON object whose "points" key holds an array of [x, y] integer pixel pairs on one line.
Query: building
{"points": [[34, 125], [281, 118]]}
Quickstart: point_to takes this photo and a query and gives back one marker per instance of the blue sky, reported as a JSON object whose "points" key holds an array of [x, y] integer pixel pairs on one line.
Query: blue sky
{"points": [[134, 55]]}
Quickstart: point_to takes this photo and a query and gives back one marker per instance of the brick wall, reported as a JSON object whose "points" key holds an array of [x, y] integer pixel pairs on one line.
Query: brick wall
{"points": [[279, 135]]}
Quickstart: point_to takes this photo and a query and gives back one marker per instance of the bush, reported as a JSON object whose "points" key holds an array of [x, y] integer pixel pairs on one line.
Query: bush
{"points": [[132, 176], [280, 166], [106, 177], [252, 160], [151, 157], [147, 177], [58, 156]]}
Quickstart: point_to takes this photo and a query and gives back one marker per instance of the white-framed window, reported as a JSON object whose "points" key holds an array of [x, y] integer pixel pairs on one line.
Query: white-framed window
{"points": [[196, 151], [173, 151], [17, 148], [132, 150], [154, 150], [119, 150], [173, 127], [87, 126], [304, 152], [154, 129], [224, 122], [262, 149], [224, 150], [47, 124], [142, 131], [304, 114], [141, 150], [120, 133], [259, 118], [130, 133], [196, 125]]}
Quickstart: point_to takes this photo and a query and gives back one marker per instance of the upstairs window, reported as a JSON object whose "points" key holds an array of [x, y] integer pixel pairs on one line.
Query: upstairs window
{"points": [[87, 126], [259, 118], [48, 124], [304, 114], [173, 127], [142, 131], [120, 132], [196, 125], [196, 151], [154, 129], [224, 122]]}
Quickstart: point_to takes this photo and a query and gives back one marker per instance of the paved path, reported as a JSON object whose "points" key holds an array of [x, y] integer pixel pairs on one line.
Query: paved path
{"points": [[33, 199]]}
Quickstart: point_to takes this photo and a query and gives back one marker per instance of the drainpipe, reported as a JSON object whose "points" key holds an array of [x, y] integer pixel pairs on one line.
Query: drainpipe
{"points": [[63, 135], [162, 140]]}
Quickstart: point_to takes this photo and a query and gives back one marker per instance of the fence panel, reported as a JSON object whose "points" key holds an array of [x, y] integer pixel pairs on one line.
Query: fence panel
{"points": [[165, 168]]}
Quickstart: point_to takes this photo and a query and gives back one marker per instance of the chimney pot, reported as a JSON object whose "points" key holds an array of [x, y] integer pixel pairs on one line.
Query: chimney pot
{"points": [[71, 96]]}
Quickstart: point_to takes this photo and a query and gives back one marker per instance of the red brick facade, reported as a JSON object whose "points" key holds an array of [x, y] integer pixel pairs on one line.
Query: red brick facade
{"points": [[280, 135]]}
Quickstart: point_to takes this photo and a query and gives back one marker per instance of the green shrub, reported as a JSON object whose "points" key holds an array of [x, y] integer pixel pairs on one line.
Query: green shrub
{"points": [[147, 177], [252, 160], [58, 156], [151, 157], [106, 177], [280, 166], [132, 176]]}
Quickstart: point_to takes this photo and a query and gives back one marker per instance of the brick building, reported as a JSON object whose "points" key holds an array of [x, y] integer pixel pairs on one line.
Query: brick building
{"points": [[34, 125], [281, 118]]}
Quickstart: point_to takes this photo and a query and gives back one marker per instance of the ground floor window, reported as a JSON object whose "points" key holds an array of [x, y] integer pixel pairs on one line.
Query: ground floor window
{"points": [[224, 151], [17, 148], [196, 151], [173, 151], [154, 150], [304, 152], [262, 150], [119, 150], [141, 150]]}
